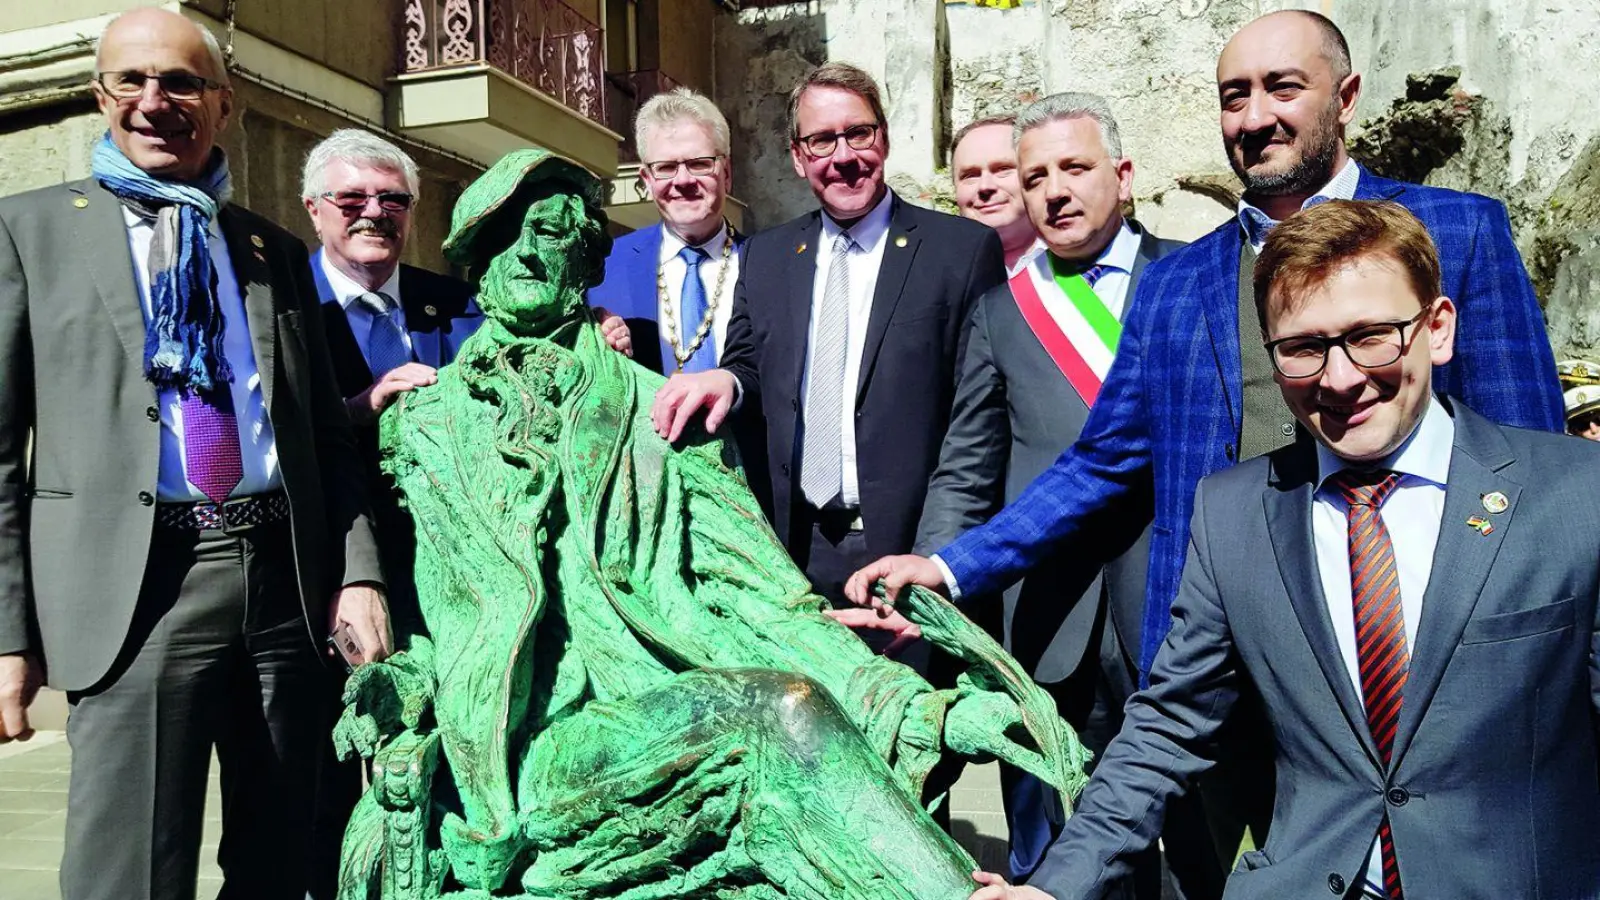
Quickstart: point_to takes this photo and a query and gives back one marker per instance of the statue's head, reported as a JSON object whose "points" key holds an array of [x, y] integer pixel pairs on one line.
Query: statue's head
{"points": [[532, 230]]}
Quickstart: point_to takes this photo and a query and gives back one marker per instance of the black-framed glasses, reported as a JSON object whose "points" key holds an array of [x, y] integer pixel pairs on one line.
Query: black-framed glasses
{"points": [[667, 169], [1368, 346], [176, 85], [824, 143], [355, 201]]}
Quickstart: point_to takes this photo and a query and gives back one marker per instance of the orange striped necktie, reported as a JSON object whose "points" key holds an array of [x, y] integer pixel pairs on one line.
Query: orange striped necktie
{"points": [[1381, 651]]}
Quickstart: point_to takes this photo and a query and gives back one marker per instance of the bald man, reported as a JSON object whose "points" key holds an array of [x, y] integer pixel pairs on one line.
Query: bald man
{"points": [[190, 525]]}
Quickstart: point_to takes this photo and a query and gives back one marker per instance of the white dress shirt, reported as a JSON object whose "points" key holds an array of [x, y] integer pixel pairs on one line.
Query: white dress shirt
{"points": [[1027, 256], [870, 235], [672, 272], [1342, 186], [346, 291], [1412, 516], [258, 448], [1112, 288]]}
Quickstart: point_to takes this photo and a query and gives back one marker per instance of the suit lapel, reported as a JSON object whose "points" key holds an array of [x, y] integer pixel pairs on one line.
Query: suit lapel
{"points": [[1288, 506], [1145, 256], [247, 252], [424, 320], [98, 222], [802, 279], [642, 282], [1461, 562], [1219, 285], [1373, 187], [899, 250]]}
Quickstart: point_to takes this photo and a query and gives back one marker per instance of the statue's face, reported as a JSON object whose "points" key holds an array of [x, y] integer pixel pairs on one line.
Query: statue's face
{"points": [[537, 282]]}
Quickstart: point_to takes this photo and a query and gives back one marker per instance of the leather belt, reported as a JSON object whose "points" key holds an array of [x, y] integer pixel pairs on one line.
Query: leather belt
{"points": [[231, 515], [837, 518]]}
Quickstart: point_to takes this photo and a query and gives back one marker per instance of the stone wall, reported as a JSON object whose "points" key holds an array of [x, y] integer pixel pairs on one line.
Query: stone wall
{"points": [[1473, 94]]}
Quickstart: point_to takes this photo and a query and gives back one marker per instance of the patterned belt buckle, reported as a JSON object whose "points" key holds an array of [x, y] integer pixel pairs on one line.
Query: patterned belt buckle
{"points": [[205, 515], [239, 513]]}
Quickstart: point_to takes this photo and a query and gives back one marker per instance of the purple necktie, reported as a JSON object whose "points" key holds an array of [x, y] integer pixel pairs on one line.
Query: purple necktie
{"points": [[211, 443]]}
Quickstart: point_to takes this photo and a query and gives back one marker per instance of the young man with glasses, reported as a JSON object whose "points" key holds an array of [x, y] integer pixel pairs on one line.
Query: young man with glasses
{"points": [[848, 324], [1412, 594]]}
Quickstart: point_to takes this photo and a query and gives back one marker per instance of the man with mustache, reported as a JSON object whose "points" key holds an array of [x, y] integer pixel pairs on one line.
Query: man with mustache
{"points": [[1190, 392], [983, 164], [182, 516], [1027, 384], [848, 324]]}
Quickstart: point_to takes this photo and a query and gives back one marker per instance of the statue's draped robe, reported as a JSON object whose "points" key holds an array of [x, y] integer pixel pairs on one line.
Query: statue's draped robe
{"points": [[592, 596]]}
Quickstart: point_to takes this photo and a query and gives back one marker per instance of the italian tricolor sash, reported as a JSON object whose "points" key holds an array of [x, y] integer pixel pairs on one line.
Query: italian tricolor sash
{"points": [[1080, 334]]}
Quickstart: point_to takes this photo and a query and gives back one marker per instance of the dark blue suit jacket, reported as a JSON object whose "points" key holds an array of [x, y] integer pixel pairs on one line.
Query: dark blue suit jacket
{"points": [[1170, 406], [629, 290]]}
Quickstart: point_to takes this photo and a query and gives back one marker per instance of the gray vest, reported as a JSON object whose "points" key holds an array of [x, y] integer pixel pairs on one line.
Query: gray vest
{"points": [[1267, 423]]}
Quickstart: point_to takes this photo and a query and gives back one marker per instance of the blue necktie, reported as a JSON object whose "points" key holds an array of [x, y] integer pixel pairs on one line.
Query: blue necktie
{"points": [[692, 312], [386, 342]]}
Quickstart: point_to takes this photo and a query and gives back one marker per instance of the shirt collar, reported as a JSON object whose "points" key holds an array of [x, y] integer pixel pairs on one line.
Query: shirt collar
{"points": [[346, 291], [1120, 254], [1342, 186], [868, 232], [1027, 257], [672, 245], [132, 220], [1425, 454]]}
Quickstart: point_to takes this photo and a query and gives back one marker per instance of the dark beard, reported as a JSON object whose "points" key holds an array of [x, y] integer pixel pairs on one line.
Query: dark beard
{"points": [[1319, 149]]}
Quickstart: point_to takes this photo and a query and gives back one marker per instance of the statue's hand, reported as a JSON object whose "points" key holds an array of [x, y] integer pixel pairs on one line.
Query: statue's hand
{"points": [[381, 700]]}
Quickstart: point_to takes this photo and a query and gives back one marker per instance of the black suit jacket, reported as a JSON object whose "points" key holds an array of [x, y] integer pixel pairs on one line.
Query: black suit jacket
{"points": [[439, 315], [935, 267], [1014, 414], [76, 519]]}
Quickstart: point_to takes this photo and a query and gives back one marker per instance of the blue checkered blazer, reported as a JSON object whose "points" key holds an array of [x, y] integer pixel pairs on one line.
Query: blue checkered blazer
{"points": [[1171, 405]]}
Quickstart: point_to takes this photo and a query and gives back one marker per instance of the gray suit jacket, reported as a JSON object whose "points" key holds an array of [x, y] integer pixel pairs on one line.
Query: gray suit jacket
{"points": [[1014, 414], [76, 515], [1493, 788]]}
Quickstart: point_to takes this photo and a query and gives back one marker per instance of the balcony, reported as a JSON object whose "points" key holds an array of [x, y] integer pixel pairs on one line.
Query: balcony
{"points": [[626, 92], [484, 77]]}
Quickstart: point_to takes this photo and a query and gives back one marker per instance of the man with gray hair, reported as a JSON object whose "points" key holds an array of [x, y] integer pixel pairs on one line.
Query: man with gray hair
{"points": [[1036, 348], [673, 282]]}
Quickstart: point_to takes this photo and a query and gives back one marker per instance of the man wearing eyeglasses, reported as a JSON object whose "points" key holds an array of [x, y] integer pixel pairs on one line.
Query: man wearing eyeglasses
{"points": [[1413, 594], [848, 324], [182, 511]]}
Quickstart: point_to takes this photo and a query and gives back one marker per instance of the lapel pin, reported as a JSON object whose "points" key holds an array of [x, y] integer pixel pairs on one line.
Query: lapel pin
{"points": [[257, 242], [800, 249], [1496, 502], [431, 310], [259, 257], [81, 202], [900, 241], [1480, 525]]}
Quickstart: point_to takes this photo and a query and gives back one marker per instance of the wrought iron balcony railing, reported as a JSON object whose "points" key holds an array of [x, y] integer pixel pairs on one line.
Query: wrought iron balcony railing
{"points": [[545, 44], [626, 92]]}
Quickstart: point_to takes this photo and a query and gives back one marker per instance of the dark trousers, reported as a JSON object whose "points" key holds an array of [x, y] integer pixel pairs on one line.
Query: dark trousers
{"points": [[218, 657], [831, 553]]}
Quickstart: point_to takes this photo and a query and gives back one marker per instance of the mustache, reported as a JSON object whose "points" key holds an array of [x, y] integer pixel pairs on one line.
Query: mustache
{"points": [[381, 227]]}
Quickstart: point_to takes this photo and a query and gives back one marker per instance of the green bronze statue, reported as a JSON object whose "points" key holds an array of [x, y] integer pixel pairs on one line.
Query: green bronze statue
{"points": [[622, 687]]}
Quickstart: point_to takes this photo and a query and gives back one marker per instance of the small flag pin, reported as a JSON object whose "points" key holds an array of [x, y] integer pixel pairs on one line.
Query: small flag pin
{"points": [[1480, 525], [1496, 502]]}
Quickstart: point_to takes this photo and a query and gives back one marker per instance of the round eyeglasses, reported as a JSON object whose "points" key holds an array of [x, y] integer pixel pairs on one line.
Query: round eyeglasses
{"points": [[1368, 346], [826, 143]]}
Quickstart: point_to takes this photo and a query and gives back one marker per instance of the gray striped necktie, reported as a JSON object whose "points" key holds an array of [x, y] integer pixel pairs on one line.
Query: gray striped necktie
{"points": [[821, 462]]}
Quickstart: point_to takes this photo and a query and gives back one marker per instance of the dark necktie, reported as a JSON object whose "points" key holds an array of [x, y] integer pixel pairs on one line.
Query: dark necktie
{"points": [[386, 342], [692, 307], [211, 456], [1381, 650]]}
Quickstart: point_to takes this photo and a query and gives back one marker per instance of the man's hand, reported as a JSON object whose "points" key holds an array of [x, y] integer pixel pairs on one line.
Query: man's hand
{"points": [[995, 888], [904, 630], [20, 678], [362, 608], [684, 395], [615, 330], [365, 407], [895, 572]]}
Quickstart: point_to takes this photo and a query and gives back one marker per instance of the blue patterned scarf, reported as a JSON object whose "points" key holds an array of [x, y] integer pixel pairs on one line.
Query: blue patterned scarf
{"points": [[183, 337]]}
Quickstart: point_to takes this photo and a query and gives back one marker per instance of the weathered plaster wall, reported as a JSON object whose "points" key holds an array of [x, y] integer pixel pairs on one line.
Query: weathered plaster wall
{"points": [[1483, 95]]}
